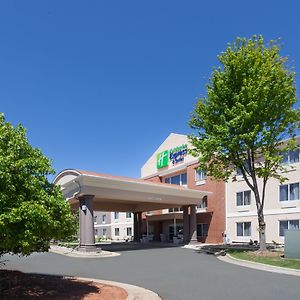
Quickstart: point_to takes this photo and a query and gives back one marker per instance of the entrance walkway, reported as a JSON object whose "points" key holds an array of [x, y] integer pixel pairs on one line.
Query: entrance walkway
{"points": [[174, 273]]}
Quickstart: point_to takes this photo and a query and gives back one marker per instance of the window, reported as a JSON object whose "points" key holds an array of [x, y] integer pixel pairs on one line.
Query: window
{"points": [[289, 224], [243, 198], [117, 231], [289, 192], [200, 175], [246, 167], [104, 231], [243, 229], [203, 203], [103, 218], [290, 157], [128, 215], [95, 219], [176, 209], [180, 179], [128, 231], [202, 229], [96, 231], [116, 215]]}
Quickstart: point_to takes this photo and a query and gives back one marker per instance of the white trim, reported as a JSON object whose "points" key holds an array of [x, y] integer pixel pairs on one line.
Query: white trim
{"points": [[266, 212]]}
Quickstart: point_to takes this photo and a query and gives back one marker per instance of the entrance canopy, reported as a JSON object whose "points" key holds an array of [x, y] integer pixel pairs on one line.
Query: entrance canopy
{"points": [[114, 193]]}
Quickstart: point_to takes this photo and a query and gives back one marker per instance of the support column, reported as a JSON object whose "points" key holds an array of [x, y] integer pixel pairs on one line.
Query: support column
{"points": [[140, 225], [186, 224], [193, 224], [135, 227], [86, 224]]}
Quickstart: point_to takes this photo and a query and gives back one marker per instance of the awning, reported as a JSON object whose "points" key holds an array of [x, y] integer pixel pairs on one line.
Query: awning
{"points": [[115, 193]]}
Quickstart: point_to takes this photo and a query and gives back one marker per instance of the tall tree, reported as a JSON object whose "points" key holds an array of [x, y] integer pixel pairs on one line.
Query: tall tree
{"points": [[247, 113], [32, 210]]}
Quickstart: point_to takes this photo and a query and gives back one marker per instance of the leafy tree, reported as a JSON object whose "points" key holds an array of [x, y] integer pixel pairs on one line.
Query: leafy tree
{"points": [[32, 210], [247, 113]]}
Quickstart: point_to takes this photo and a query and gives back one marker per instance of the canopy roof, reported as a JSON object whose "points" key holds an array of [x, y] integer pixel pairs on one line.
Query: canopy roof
{"points": [[115, 193]]}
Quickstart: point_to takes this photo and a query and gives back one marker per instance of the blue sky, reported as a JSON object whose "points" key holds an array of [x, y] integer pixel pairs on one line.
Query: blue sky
{"points": [[100, 84]]}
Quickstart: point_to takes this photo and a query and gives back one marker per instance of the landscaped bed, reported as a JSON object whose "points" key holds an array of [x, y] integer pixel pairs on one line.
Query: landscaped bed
{"points": [[18, 285], [274, 258]]}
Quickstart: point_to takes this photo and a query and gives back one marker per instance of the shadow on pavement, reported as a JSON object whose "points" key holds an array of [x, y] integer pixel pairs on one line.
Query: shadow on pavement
{"points": [[132, 246]]}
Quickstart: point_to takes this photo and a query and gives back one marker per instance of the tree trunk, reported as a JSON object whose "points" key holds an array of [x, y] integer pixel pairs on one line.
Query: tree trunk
{"points": [[262, 232]]}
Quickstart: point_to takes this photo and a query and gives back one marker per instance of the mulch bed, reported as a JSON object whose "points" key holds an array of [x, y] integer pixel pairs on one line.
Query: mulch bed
{"points": [[18, 285]]}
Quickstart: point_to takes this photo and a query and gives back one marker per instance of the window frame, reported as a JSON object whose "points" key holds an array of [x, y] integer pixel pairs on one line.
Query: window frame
{"points": [[289, 192], [202, 229], [168, 180], [243, 229], [280, 233], [243, 202], [287, 155], [200, 176]]}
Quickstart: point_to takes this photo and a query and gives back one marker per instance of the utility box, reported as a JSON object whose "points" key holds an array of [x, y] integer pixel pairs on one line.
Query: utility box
{"points": [[292, 243]]}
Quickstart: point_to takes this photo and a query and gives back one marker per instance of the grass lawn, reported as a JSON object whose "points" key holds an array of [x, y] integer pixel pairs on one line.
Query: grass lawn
{"points": [[271, 258]]}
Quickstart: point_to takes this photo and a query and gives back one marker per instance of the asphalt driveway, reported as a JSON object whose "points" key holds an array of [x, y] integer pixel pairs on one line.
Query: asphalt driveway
{"points": [[173, 273]]}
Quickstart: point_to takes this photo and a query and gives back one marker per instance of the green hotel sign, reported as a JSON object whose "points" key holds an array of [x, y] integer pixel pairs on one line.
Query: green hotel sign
{"points": [[174, 155]]}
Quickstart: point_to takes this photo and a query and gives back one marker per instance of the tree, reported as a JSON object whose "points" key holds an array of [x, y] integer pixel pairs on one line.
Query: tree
{"points": [[32, 210], [247, 113]]}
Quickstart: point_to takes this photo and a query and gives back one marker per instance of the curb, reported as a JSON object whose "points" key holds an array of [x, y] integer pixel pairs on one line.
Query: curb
{"points": [[258, 266], [73, 253], [134, 292]]}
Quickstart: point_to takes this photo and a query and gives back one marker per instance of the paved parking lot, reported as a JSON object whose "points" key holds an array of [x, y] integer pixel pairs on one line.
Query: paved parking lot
{"points": [[174, 273]]}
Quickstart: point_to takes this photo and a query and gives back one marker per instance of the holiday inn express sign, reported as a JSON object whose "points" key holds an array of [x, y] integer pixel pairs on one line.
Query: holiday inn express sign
{"points": [[174, 155]]}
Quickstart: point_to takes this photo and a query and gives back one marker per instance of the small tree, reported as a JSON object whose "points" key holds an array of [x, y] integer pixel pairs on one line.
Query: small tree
{"points": [[246, 115], [32, 211]]}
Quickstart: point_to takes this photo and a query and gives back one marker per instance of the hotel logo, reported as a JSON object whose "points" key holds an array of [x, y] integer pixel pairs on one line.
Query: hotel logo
{"points": [[174, 155]]}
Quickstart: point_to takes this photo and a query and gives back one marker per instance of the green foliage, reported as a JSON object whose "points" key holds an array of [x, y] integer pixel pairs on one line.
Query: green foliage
{"points": [[247, 112], [32, 210], [268, 258], [246, 115]]}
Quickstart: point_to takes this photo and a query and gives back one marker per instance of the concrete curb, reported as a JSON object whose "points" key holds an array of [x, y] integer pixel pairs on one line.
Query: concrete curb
{"points": [[134, 292], [258, 266], [73, 253]]}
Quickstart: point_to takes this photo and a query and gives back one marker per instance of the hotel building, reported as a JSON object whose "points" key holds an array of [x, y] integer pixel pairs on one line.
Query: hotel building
{"points": [[281, 209]]}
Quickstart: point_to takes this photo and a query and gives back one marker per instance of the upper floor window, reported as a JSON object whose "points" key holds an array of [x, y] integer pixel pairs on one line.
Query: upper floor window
{"points": [[200, 175], [243, 198], [289, 192], [103, 218], [128, 215], [95, 219], [116, 215], [246, 167], [243, 229], [287, 224], [180, 179], [290, 157]]}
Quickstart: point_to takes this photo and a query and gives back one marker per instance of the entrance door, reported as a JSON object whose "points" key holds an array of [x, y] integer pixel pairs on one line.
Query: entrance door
{"points": [[178, 233]]}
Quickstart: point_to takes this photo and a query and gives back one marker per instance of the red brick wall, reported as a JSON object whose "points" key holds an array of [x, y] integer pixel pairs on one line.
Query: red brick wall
{"points": [[215, 215]]}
